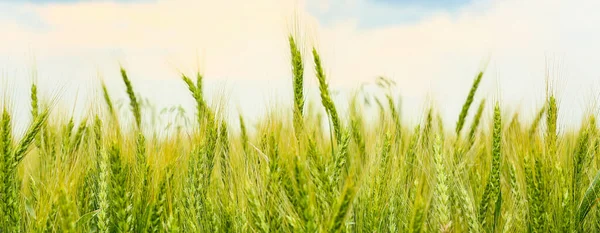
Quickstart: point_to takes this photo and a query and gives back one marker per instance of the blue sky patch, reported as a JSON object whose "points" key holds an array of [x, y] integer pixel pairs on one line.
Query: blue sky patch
{"points": [[74, 1], [23, 17]]}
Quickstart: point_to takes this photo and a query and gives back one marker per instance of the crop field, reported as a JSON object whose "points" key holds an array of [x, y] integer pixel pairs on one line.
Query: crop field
{"points": [[295, 170]]}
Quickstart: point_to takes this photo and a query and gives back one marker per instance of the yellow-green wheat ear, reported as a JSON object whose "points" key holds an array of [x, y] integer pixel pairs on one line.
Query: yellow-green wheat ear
{"points": [[325, 95], [442, 193], [426, 133], [30, 135], [475, 123], [298, 84], [6, 136], [244, 135], [492, 187], [467, 104], [536, 122], [34, 101], [108, 100], [551, 125], [8, 212], [133, 102]]}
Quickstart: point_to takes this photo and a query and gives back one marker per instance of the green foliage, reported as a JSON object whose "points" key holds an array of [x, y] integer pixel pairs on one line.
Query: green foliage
{"points": [[64, 174]]}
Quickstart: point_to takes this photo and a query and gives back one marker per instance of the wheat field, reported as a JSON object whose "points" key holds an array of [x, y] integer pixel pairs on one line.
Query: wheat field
{"points": [[298, 171]]}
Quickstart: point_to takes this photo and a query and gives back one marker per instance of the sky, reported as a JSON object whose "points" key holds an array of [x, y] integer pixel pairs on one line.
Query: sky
{"points": [[432, 49]]}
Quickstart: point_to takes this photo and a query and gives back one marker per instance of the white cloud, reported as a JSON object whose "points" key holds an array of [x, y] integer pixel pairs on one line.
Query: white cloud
{"points": [[244, 43]]}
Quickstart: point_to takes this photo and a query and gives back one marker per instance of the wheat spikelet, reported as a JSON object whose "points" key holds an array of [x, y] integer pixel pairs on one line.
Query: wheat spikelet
{"points": [[492, 188], [467, 104], [325, 95], [442, 194]]}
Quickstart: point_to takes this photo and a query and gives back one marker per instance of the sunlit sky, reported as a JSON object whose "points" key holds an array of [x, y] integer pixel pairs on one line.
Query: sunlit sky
{"points": [[432, 49]]}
